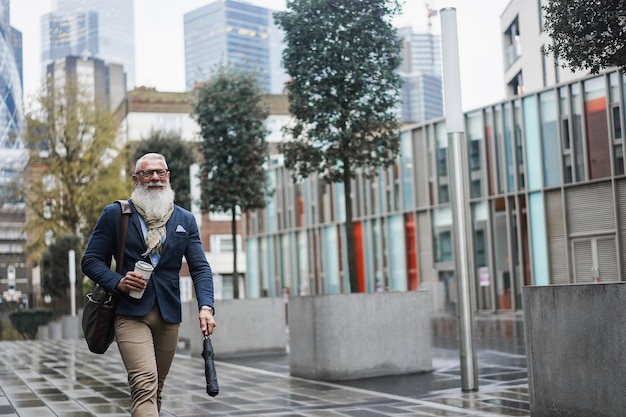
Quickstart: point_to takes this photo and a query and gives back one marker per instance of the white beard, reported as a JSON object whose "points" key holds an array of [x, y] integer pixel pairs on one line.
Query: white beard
{"points": [[156, 204]]}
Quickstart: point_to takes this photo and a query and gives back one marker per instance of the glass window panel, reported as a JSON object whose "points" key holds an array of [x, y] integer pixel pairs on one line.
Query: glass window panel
{"points": [[617, 124], [519, 150], [397, 258], [253, 289], [597, 128], [618, 152], [567, 169], [508, 148], [533, 143], [442, 233], [565, 135], [303, 262], [577, 134], [549, 140], [407, 164], [331, 260]]}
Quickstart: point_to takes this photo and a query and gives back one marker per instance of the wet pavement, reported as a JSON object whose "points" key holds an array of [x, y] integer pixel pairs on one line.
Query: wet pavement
{"points": [[62, 378]]}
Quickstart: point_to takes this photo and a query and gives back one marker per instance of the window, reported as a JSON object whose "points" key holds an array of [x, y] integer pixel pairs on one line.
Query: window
{"points": [[224, 243], [444, 246], [617, 124], [442, 162], [474, 155]]}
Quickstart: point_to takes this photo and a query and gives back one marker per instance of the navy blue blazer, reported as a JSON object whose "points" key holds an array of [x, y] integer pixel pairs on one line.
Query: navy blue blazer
{"points": [[182, 239]]}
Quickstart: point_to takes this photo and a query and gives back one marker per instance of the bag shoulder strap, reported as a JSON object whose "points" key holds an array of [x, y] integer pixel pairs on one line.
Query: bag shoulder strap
{"points": [[126, 212]]}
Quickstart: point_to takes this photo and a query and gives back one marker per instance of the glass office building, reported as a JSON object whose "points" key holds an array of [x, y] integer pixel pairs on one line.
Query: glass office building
{"points": [[547, 185], [12, 153], [11, 109], [101, 29], [235, 33], [14, 284]]}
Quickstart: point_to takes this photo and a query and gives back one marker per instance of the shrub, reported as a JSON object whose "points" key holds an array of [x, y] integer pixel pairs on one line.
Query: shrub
{"points": [[27, 322]]}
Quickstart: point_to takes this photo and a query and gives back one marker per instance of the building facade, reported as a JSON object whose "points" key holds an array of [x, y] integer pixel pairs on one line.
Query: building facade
{"points": [[526, 68], [106, 83], [547, 187], [102, 29], [234, 33]]}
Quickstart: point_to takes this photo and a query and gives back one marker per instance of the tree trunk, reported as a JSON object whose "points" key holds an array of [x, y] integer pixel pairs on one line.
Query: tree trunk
{"points": [[233, 230], [347, 183]]}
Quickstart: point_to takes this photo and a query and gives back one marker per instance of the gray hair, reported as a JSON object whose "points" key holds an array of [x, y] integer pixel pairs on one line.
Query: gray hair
{"points": [[151, 155]]}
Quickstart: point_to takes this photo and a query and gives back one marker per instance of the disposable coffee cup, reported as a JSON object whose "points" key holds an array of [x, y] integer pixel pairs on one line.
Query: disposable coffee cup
{"points": [[145, 269]]}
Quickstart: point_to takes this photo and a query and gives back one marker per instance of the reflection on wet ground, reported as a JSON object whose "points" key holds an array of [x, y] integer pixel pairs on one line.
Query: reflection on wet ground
{"points": [[62, 378]]}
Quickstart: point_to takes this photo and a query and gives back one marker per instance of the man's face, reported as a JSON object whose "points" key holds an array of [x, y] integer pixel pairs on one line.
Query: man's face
{"points": [[153, 175]]}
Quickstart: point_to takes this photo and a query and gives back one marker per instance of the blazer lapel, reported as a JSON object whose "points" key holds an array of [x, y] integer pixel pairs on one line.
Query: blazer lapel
{"points": [[170, 228]]}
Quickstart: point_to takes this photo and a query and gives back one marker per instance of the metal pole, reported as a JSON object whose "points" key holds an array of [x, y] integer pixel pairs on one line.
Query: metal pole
{"points": [[457, 148], [71, 259]]}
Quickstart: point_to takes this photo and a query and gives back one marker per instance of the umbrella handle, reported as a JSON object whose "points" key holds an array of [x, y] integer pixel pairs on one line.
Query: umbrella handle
{"points": [[205, 333]]}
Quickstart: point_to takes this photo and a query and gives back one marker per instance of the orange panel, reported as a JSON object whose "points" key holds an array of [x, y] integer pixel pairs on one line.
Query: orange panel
{"points": [[411, 252], [359, 256]]}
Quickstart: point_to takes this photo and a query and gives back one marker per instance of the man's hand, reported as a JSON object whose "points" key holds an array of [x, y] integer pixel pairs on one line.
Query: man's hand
{"points": [[206, 319], [132, 281]]}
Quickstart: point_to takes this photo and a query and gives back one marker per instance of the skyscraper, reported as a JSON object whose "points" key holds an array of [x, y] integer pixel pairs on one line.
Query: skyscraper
{"points": [[234, 33], [12, 153], [101, 29], [11, 111], [14, 285], [422, 92]]}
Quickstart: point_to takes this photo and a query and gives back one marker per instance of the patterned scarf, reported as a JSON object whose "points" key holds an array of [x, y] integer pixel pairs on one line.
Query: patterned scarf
{"points": [[156, 230]]}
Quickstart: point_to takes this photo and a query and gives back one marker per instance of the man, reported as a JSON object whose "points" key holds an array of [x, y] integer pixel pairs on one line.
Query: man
{"points": [[160, 233]]}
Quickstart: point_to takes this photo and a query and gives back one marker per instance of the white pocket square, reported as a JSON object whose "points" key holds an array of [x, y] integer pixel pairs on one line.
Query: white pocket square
{"points": [[180, 228]]}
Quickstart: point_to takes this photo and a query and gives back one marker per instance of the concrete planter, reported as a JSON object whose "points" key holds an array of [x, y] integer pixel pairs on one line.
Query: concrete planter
{"points": [[244, 326], [350, 336], [576, 349]]}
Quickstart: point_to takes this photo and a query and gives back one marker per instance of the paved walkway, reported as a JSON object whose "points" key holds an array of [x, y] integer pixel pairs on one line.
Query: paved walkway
{"points": [[62, 378]]}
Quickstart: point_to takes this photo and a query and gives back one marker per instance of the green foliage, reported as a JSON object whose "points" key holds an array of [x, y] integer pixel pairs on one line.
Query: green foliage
{"points": [[8, 332], [231, 115], [56, 268], [342, 57], [230, 111], [179, 156], [27, 322], [587, 35], [75, 168]]}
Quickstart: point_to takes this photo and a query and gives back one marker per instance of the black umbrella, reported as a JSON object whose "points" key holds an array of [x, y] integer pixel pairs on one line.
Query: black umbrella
{"points": [[209, 367]]}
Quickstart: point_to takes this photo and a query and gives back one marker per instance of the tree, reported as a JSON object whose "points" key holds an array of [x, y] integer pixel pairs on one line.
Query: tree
{"points": [[587, 35], [179, 156], [342, 57], [75, 167], [55, 279], [230, 111]]}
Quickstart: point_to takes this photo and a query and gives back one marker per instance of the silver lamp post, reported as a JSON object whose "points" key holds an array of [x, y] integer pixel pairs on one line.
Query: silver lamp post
{"points": [[457, 162]]}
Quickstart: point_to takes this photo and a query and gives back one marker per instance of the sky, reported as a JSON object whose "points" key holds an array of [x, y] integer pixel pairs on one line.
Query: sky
{"points": [[159, 45]]}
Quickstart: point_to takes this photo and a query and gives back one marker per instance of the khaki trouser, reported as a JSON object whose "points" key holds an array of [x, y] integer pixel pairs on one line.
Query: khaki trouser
{"points": [[147, 345]]}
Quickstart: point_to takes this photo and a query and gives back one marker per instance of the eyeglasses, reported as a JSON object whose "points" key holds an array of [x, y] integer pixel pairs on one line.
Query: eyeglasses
{"points": [[148, 173]]}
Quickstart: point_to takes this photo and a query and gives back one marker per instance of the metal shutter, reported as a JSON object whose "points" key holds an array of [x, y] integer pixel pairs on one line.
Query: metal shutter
{"points": [[607, 259], [559, 269], [621, 204], [590, 208], [583, 260]]}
